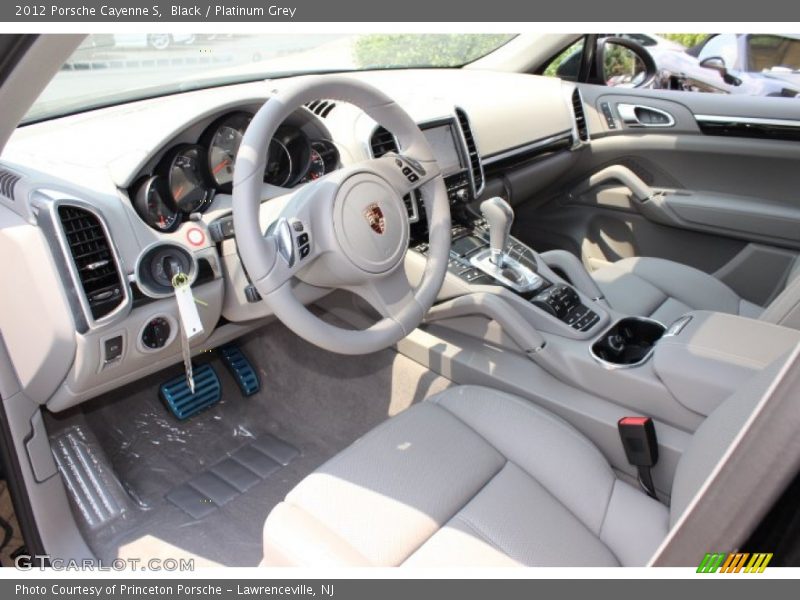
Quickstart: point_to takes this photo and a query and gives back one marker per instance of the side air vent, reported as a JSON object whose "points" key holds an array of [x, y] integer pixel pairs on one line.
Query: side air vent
{"points": [[321, 108], [93, 258], [580, 116], [8, 182], [476, 168], [382, 142]]}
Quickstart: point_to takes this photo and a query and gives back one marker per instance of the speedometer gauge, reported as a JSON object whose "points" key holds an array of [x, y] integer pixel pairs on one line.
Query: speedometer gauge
{"points": [[154, 204], [187, 179], [224, 145]]}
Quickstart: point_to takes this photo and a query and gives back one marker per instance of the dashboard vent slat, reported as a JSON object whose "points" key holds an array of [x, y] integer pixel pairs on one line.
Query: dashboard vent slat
{"points": [[382, 142], [321, 108], [8, 181], [580, 116], [94, 261], [472, 150]]}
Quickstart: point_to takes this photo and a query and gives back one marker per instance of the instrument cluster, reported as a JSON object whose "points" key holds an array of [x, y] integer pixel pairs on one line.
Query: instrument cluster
{"points": [[189, 175]]}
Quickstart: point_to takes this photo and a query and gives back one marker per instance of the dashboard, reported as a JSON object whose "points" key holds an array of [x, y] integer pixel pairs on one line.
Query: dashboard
{"points": [[189, 175], [101, 201]]}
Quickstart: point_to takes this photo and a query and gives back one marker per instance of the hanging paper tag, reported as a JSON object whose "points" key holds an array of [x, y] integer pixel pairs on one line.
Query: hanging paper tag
{"points": [[187, 308]]}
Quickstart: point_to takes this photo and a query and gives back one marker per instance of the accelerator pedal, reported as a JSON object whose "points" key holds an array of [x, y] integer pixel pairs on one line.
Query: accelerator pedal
{"points": [[241, 369], [179, 399]]}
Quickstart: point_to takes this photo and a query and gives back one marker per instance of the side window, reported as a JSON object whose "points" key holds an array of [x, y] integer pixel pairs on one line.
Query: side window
{"points": [[567, 64], [723, 46]]}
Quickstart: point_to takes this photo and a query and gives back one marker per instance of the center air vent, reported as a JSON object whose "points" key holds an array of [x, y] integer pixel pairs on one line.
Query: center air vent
{"points": [[8, 182], [476, 168], [580, 116], [93, 258], [321, 108], [382, 142]]}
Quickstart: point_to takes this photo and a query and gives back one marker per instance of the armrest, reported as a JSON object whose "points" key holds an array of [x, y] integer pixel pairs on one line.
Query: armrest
{"points": [[715, 353]]}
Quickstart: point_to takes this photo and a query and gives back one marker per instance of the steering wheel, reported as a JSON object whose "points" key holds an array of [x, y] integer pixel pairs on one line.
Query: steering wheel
{"points": [[347, 230]]}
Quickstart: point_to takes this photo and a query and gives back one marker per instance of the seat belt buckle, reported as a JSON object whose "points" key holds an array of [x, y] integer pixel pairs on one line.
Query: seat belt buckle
{"points": [[638, 435]]}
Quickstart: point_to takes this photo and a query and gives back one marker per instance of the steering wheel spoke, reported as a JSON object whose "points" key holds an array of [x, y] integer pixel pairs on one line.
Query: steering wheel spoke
{"points": [[404, 174], [392, 297]]}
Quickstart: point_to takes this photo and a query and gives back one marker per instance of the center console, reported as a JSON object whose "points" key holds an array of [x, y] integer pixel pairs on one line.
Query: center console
{"points": [[477, 260]]}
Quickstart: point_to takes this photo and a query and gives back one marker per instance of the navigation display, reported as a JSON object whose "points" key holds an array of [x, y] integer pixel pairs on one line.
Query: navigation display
{"points": [[442, 139]]}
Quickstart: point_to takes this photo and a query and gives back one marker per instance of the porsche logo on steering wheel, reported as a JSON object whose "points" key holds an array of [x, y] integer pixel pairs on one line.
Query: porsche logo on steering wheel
{"points": [[374, 216]]}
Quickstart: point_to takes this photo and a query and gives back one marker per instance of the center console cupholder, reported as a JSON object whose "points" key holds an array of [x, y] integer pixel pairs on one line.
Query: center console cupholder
{"points": [[628, 343]]}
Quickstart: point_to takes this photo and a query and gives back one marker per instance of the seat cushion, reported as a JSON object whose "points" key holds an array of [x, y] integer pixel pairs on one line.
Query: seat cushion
{"points": [[664, 290], [472, 476]]}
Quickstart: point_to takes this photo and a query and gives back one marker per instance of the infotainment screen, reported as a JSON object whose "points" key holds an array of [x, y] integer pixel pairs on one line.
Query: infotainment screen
{"points": [[442, 139]]}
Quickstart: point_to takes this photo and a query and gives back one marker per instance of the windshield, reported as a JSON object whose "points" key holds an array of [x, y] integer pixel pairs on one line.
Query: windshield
{"points": [[114, 68]]}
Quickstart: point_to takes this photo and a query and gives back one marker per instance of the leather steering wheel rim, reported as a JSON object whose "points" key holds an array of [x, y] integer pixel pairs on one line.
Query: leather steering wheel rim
{"points": [[359, 206]]}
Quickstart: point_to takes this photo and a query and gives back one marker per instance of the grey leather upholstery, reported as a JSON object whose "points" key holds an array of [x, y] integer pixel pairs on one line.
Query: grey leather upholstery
{"points": [[664, 290], [477, 477], [472, 476]]}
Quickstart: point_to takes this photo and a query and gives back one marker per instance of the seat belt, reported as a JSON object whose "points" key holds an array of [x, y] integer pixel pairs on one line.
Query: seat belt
{"points": [[638, 435]]}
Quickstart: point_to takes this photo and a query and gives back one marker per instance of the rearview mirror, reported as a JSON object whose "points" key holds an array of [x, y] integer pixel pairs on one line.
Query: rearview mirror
{"points": [[621, 62]]}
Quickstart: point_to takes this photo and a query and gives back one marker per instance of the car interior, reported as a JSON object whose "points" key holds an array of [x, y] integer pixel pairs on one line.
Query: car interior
{"points": [[423, 308]]}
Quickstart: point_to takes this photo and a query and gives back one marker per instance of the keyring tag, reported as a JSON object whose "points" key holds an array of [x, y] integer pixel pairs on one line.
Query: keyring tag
{"points": [[187, 307], [190, 324]]}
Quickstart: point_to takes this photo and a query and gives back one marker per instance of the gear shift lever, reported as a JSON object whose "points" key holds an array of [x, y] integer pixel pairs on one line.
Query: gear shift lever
{"points": [[499, 216], [494, 260]]}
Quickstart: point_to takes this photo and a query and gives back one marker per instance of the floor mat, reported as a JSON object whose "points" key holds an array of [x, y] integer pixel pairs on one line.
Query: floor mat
{"points": [[314, 401], [234, 475]]}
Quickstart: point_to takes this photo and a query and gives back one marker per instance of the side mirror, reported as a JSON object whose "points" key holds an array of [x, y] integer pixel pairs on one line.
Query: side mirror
{"points": [[622, 62], [717, 63]]}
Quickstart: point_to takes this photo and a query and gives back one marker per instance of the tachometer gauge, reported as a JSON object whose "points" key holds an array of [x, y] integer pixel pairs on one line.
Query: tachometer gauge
{"points": [[154, 204], [187, 179], [223, 148]]}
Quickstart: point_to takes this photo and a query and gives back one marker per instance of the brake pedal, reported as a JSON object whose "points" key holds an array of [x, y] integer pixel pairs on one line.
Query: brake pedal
{"points": [[182, 402], [241, 369]]}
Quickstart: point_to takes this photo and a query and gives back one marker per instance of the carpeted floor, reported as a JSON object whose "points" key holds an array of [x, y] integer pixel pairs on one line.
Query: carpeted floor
{"points": [[317, 401]]}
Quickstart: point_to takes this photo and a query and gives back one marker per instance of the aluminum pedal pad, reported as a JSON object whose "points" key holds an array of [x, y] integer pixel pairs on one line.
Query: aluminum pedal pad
{"points": [[179, 399], [241, 369]]}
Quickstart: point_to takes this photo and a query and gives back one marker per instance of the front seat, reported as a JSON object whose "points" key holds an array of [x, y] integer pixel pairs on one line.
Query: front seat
{"points": [[477, 477], [664, 290]]}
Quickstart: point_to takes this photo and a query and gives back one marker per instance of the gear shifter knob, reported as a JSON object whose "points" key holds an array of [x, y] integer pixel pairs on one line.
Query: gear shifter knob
{"points": [[499, 216]]}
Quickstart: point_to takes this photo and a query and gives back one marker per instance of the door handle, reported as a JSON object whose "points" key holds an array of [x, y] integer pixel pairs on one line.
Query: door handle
{"points": [[638, 115]]}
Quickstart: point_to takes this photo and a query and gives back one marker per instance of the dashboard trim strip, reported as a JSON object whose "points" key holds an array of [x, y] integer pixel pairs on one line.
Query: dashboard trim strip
{"points": [[520, 150], [748, 120]]}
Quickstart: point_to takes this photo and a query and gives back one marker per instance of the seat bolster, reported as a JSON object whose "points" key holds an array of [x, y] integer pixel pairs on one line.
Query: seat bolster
{"points": [[643, 286], [545, 446], [287, 535], [785, 309], [635, 525]]}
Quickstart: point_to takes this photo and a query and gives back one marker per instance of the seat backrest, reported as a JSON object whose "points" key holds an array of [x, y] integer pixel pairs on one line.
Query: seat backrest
{"points": [[714, 436], [785, 308]]}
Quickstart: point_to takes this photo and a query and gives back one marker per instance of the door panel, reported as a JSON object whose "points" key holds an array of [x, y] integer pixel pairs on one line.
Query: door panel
{"points": [[713, 198]]}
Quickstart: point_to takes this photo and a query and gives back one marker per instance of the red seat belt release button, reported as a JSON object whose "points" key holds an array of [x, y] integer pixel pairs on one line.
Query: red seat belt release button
{"points": [[638, 435]]}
